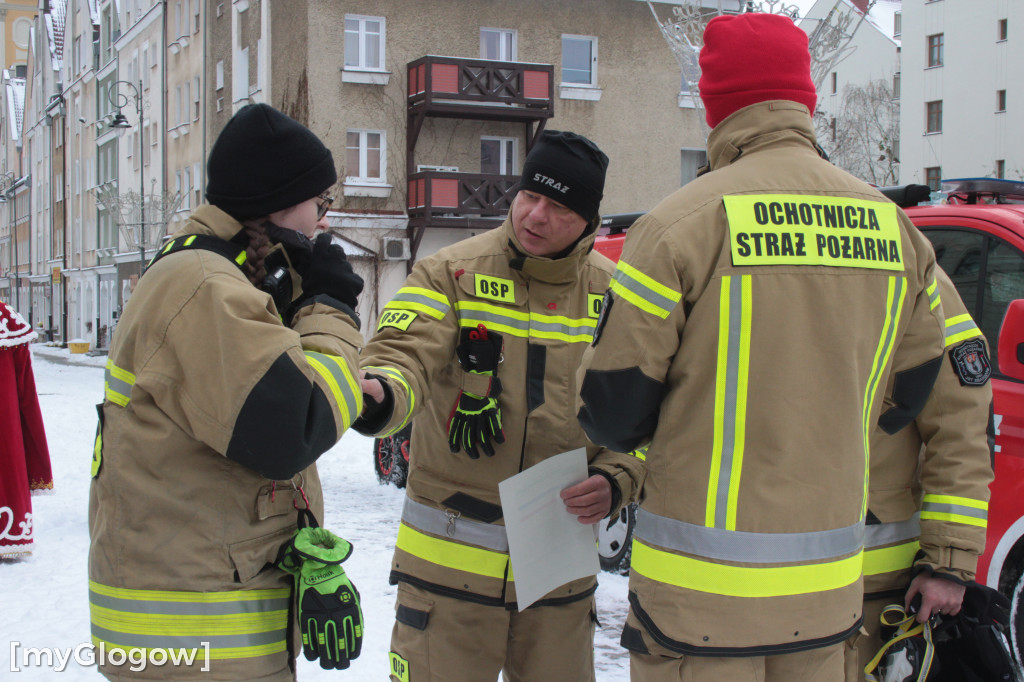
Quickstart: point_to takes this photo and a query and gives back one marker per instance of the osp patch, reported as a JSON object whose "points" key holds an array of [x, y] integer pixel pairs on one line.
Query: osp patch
{"points": [[971, 363]]}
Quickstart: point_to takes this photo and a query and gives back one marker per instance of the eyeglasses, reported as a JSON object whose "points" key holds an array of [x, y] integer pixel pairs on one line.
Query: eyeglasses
{"points": [[323, 205]]}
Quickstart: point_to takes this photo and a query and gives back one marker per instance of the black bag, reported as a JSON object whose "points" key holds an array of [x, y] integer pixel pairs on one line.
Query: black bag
{"points": [[973, 646]]}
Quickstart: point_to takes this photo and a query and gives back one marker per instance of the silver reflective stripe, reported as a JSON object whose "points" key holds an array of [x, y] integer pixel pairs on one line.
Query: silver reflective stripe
{"points": [[124, 639], [732, 371], [954, 330], [337, 369], [744, 546], [584, 327], [436, 522], [881, 534], [410, 297], [957, 509], [643, 291], [474, 316], [183, 608]]}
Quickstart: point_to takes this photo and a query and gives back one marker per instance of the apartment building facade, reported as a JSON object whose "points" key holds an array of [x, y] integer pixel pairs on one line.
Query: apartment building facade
{"points": [[962, 90]]}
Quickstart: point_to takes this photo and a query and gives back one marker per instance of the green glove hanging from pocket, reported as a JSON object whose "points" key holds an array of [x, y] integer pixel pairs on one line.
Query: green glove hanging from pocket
{"points": [[330, 618], [475, 419]]}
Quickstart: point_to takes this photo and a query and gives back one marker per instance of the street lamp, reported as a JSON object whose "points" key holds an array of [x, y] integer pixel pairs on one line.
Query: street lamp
{"points": [[120, 100]]}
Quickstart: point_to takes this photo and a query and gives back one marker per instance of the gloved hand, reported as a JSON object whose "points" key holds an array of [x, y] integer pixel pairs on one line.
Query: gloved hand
{"points": [[476, 419], [330, 618], [329, 272]]}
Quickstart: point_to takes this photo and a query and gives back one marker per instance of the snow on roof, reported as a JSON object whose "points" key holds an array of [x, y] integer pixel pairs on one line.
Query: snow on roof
{"points": [[15, 105], [55, 22]]}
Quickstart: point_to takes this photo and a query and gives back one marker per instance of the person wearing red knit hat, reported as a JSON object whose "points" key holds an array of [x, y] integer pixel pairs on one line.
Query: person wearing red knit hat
{"points": [[757, 318]]}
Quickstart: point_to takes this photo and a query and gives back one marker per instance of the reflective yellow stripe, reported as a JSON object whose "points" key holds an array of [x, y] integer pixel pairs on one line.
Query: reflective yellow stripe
{"points": [[523, 324], [452, 554], [336, 374], [743, 581], [240, 258], [643, 291], [423, 300], [954, 518], [189, 240], [934, 299], [397, 376], [118, 382], [895, 296], [889, 559], [960, 328], [734, 319], [237, 624], [640, 453], [97, 453], [953, 499]]}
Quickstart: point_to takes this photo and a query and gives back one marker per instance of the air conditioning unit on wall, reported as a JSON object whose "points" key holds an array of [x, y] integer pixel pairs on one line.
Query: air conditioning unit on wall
{"points": [[396, 248]]}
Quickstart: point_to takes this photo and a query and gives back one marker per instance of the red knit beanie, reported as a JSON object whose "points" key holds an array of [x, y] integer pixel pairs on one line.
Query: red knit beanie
{"points": [[750, 58]]}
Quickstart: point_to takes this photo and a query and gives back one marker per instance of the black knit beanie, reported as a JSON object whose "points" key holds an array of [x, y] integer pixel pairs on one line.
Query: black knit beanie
{"points": [[568, 168], [264, 161]]}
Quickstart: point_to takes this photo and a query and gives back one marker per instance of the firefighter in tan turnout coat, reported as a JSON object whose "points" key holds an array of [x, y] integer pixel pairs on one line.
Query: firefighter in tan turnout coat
{"points": [[752, 321], [514, 307], [215, 413], [928, 493]]}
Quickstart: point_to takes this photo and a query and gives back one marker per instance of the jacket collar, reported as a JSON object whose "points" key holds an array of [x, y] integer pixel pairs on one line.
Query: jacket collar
{"points": [[208, 219], [551, 270], [758, 125]]}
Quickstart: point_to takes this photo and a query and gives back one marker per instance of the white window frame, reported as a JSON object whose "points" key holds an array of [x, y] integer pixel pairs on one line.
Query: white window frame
{"points": [[360, 72], [359, 185], [585, 91], [513, 49], [503, 160], [219, 77]]}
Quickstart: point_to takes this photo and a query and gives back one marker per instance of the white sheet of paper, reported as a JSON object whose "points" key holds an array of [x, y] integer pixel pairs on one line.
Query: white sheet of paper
{"points": [[547, 545]]}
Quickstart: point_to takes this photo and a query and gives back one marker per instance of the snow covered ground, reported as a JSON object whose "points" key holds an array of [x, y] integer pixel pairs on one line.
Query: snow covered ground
{"points": [[44, 600]]}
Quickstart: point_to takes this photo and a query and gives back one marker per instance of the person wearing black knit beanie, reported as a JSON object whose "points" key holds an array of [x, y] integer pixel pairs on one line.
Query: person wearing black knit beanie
{"points": [[224, 386]]}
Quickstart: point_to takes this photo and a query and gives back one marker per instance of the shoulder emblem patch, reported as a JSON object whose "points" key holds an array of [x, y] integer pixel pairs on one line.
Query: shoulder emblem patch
{"points": [[399, 319], [971, 363]]}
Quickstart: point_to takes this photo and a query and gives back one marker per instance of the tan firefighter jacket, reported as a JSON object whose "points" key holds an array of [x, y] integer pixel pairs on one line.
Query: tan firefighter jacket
{"points": [[214, 415], [929, 482], [452, 538], [753, 320]]}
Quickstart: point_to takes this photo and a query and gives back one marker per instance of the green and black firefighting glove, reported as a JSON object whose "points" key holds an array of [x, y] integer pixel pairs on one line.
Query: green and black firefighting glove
{"points": [[475, 420], [330, 618]]}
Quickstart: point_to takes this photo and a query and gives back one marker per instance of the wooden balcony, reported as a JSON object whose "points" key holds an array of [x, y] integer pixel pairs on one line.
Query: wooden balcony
{"points": [[465, 200], [480, 89]]}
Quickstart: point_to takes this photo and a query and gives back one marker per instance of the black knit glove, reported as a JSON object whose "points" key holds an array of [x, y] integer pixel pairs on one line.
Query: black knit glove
{"points": [[476, 419], [329, 272]]}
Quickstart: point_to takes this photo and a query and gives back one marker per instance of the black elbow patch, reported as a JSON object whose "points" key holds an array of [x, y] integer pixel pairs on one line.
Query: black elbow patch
{"points": [[910, 392], [620, 409], [285, 424]]}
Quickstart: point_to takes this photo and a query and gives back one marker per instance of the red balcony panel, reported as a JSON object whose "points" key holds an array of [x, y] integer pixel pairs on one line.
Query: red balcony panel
{"points": [[445, 78], [416, 79], [444, 193], [536, 84], [417, 193]]}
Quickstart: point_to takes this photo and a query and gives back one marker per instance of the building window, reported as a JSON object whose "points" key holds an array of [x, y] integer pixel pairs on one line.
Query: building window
{"points": [[365, 156], [1000, 100], [934, 118], [579, 60], [896, 85], [1002, 29], [1001, 168], [933, 178], [364, 42], [897, 24], [691, 161], [219, 78], [498, 44], [832, 127], [835, 82], [498, 155], [935, 43]]}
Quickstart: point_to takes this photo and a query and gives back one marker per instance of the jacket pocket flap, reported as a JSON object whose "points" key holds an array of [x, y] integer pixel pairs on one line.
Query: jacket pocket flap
{"points": [[252, 556], [496, 288], [473, 507]]}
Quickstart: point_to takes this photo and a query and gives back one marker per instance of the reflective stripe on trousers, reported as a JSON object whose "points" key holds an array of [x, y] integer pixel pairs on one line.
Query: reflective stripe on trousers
{"points": [[485, 554], [236, 624]]}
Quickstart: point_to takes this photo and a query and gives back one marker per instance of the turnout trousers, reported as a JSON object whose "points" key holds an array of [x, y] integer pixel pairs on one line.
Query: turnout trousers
{"points": [[663, 665], [443, 639], [862, 646]]}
